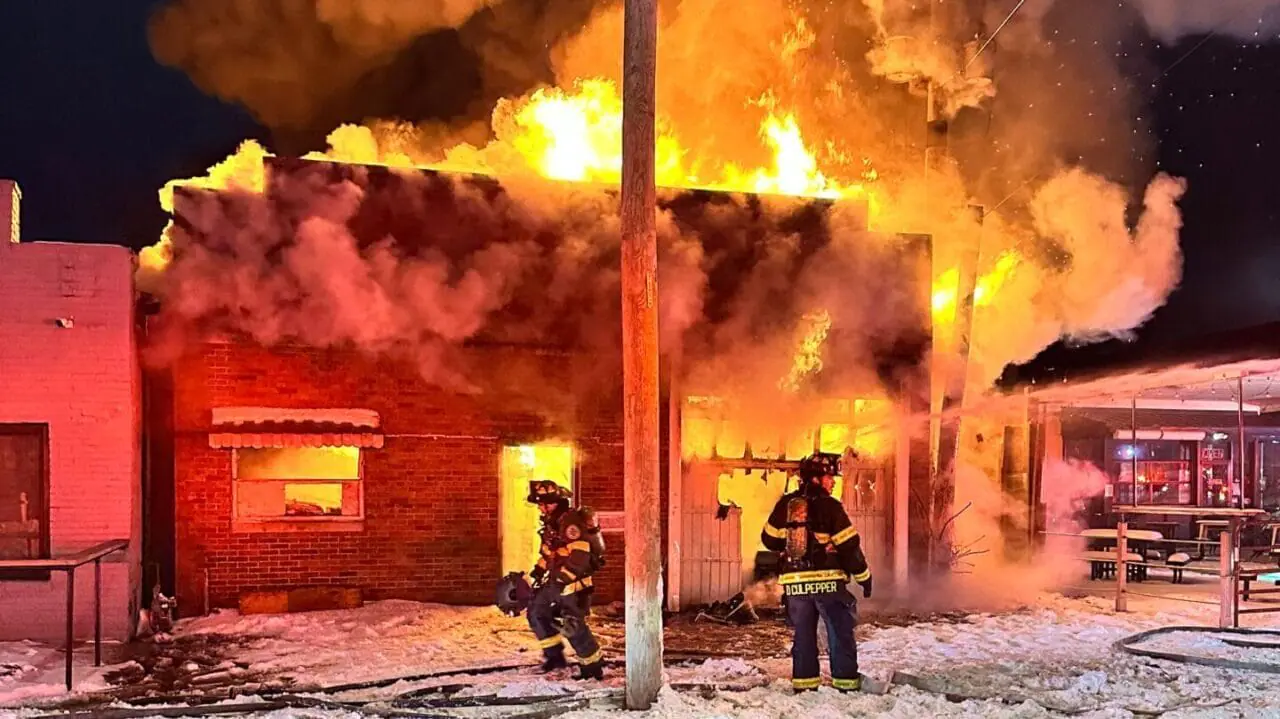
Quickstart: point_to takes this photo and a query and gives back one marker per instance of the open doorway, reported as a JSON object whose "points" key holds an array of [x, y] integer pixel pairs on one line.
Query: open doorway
{"points": [[518, 520]]}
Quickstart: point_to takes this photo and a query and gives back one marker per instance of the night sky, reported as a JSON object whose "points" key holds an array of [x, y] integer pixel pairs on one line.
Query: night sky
{"points": [[91, 126]]}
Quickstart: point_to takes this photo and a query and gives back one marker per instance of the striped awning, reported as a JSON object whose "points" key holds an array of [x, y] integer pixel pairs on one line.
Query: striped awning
{"points": [[280, 415], [261, 440], [275, 427]]}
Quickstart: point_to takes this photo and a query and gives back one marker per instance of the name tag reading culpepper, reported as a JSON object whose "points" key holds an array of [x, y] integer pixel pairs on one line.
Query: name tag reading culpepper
{"points": [[812, 588]]}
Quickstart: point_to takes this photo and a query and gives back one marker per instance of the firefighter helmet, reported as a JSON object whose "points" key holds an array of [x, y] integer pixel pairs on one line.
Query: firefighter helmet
{"points": [[544, 491], [819, 464], [514, 594]]}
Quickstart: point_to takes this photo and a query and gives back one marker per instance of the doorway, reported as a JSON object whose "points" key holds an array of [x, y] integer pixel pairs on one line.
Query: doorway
{"points": [[518, 520], [24, 497]]}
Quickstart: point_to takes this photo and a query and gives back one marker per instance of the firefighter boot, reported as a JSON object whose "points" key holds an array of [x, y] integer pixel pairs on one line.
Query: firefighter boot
{"points": [[594, 670], [553, 658]]}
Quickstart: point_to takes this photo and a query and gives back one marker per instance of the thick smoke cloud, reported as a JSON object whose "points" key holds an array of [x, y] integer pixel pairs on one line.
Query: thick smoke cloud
{"points": [[412, 265], [1171, 20], [302, 67], [1031, 133]]}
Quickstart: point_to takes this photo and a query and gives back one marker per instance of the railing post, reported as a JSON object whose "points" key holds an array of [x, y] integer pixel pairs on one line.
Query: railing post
{"points": [[71, 620], [1122, 568], [1226, 577], [97, 612]]}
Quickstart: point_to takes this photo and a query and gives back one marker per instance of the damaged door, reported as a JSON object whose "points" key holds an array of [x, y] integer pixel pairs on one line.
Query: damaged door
{"points": [[867, 497], [711, 545]]}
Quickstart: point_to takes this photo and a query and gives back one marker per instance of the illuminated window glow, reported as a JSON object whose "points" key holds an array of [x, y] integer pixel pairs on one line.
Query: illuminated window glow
{"points": [[518, 519], [298, 483]]}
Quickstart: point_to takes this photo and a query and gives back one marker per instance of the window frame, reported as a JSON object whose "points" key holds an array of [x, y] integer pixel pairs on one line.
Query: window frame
{"points": [[1118, 467], [45, 507], [239, 520]]}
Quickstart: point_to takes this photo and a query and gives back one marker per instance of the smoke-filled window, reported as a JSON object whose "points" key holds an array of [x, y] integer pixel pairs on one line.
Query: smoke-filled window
{"points": [[298, 483]]}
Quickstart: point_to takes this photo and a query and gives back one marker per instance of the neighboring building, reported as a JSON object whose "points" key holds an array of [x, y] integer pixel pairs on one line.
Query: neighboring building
{"points": [[292, 466], [69, 431], [1188, 427]]}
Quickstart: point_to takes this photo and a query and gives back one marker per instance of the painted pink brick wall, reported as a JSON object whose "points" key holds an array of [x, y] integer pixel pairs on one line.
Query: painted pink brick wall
{"points": [[82, 381]]}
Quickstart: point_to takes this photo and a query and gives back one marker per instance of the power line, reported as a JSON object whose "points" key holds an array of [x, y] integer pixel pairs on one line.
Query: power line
{"points": [[1209, 36], [1000, 27]]}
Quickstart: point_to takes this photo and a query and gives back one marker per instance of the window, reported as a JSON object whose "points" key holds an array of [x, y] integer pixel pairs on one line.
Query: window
{"points": [[298, 484], [24, 493], [1163, 477]]}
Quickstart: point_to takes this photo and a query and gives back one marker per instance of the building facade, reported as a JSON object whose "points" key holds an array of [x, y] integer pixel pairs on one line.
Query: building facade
{"points": [[299, 467], [69, 433]]}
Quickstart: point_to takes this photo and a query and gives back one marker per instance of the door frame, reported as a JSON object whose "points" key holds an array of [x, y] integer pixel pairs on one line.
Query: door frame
{"points": [[40, 430]]}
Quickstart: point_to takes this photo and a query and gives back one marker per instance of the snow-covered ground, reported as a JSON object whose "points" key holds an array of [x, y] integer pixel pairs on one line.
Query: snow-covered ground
{"points": [[1053, 658]]}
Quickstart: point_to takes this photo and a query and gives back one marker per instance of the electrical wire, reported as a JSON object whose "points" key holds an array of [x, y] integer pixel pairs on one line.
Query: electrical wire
{"points": [[999, 27]]}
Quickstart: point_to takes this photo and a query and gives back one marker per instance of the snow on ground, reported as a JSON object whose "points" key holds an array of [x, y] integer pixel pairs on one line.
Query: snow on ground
{"points": [[381, 639], [1052, 658], [31, 671]]}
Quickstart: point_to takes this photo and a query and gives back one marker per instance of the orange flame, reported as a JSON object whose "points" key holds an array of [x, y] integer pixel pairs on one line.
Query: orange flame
{"points": [[808, 359], [572, 135], [946, 286]]}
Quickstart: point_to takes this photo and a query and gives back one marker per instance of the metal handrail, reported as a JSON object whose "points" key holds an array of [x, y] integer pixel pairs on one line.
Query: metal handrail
{"points": [[71, 561], [69, 564]]}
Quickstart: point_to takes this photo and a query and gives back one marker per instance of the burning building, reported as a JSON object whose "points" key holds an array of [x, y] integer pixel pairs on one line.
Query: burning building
{"points": [[320, 436], [786, 323]]}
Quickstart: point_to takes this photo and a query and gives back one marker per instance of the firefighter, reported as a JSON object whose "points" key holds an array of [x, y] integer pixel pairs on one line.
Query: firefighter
{"points": [[571, 552], [821, 552]]}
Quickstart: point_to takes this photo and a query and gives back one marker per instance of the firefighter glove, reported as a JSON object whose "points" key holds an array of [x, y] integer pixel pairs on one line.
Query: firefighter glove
{"points": [[866, 588]]}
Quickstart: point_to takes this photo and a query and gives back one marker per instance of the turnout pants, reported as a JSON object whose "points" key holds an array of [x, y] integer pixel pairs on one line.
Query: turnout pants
{"points": [[555, 617], [838, 611]]}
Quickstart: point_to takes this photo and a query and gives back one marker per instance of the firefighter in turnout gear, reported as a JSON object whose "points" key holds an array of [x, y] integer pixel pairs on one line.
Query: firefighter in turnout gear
{"points": [[821, 552], [572, 550]]}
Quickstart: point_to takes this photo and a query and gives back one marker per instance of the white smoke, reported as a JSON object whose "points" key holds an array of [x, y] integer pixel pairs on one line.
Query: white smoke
{"points": [[1171, 20]]}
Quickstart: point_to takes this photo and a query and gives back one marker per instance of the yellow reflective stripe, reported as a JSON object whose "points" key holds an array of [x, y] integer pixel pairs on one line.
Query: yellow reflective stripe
{"points": [[577, 586], [846, 684], [546, 551], [551, 641], [570, 575], [773, 531], [591, 658], [844, 535], [813, 575], [542, 563], [823, 538], [806, 683], [578, 547], [863, 576]]}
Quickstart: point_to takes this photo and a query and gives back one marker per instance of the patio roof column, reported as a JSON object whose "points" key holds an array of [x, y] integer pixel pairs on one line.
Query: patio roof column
{"points": [[1133, 446], [1240, 429]]}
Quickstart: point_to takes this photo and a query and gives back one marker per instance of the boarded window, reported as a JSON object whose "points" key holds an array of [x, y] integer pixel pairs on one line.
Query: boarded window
{"points": [[298, 483], [24, 492]]}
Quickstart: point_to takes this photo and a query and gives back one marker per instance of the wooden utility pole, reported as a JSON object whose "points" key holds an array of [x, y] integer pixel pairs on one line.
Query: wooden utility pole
{"points": [[640, 356]]}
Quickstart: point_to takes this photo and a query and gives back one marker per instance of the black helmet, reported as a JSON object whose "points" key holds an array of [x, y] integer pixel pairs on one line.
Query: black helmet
{"points": [[513, 594], [544, 491], [819, 464]]}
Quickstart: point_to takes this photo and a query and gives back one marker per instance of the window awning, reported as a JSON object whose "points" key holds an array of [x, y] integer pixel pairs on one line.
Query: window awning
{"points": [[261, 440], [277, 415], [274, 427]]}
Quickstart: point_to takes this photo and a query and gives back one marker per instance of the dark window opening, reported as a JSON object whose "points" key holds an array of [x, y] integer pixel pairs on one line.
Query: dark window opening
{"points": [[24, 498]]}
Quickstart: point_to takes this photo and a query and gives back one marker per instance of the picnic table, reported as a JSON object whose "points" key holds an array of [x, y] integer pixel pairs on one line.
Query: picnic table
{"points": [[1205, 526], [1102, 563]]}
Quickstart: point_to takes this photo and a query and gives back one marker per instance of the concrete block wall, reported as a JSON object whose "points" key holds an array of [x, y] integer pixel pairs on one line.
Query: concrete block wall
{"points": [[80, 378]]}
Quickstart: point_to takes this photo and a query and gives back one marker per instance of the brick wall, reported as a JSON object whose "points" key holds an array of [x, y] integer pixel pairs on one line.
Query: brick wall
{"points": [[431, 493], [82, 381]]}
